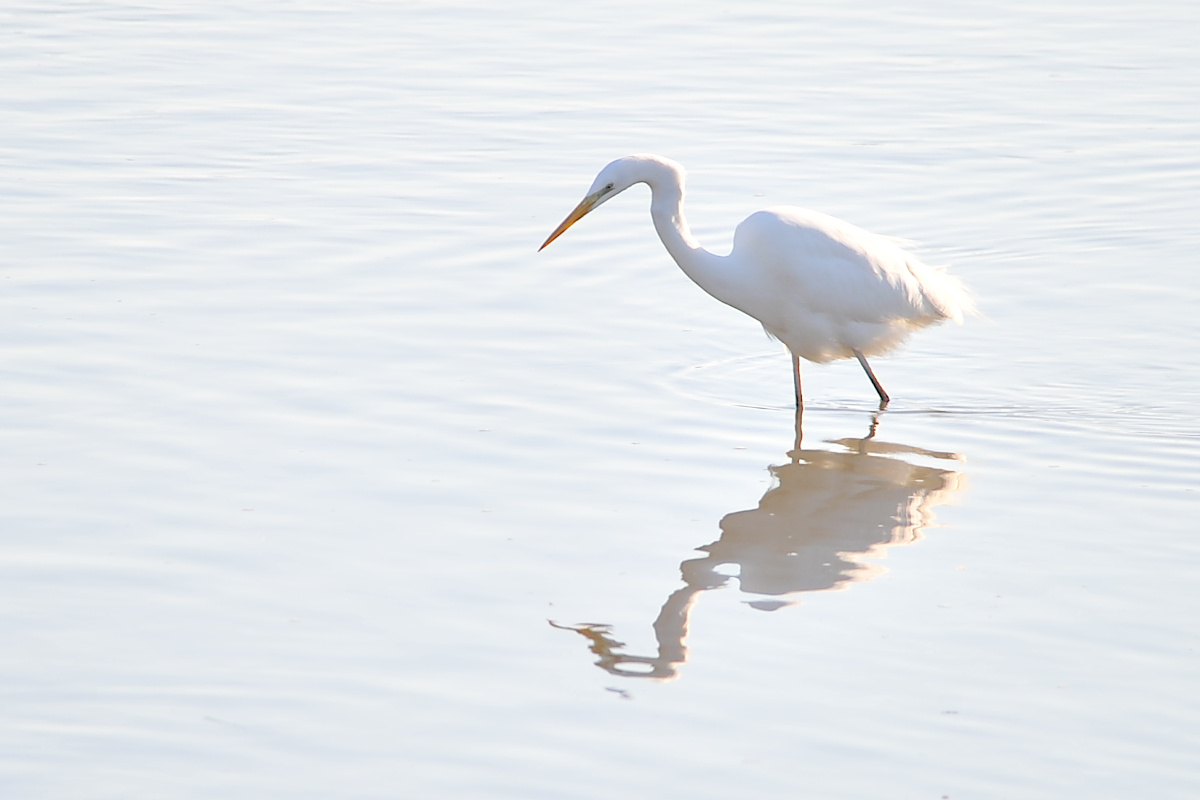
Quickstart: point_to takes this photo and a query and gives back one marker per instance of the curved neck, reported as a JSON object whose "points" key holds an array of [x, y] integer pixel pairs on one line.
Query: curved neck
{"points": [[708, 270]]}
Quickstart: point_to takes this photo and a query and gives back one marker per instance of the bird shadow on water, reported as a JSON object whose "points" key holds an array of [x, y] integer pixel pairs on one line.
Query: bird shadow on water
{"points": [[831, 510]]}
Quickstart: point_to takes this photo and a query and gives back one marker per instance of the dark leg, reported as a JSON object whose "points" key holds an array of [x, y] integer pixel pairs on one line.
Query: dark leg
{"points": [[799, 408], [795, 454], [796, 377], [883, 396]]}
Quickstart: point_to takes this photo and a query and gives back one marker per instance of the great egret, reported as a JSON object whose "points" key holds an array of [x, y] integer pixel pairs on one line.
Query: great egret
{"points": [[823, 287]]}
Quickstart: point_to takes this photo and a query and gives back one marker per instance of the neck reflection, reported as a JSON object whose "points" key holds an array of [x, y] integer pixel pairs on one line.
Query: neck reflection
{"points": [[828, 515]]}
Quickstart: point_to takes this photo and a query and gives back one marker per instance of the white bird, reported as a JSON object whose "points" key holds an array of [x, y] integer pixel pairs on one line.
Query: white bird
{"points": [[823, 287]]}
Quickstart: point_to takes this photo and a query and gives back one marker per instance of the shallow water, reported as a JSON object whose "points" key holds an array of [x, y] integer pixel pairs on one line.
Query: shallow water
{"points": [[318, 481]]}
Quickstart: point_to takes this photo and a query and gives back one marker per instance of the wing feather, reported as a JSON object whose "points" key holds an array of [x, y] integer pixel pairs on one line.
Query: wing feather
{"points": [[835, 286]]}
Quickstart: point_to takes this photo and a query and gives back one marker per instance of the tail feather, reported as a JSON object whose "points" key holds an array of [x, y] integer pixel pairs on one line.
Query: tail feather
{"points": [[943, 291]]}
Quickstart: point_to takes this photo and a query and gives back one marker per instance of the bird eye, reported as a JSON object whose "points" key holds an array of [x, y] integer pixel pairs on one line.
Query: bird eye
{"points": [[608, 188]]}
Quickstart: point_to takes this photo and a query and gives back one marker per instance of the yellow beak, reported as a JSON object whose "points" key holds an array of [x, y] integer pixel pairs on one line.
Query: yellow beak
{"points": [[585, 205]]}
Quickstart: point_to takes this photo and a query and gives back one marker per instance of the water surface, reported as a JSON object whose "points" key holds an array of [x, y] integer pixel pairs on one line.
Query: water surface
{"points": [[318, 481]]}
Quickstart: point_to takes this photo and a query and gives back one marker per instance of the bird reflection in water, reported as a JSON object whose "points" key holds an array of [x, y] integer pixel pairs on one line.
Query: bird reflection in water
{"points": [[828, 514]]}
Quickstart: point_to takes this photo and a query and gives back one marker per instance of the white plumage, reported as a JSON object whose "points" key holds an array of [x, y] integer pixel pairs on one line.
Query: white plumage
{"points": [[823, 287]]}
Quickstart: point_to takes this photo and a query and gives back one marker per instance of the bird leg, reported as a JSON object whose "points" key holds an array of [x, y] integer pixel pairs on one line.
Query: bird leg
{"points": [[795, 452], [796, 377], [883, 396]]}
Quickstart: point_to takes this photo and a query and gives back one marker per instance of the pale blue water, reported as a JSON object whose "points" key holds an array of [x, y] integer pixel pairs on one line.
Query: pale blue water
{"points": [[304, 446]]}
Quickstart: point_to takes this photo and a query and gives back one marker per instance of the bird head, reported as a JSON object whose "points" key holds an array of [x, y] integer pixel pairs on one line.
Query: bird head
{"points": [[612, 180]]}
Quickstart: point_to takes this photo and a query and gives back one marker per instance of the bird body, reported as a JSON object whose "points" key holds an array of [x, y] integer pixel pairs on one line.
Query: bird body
{"points": [[836, 288], [825, 288]]}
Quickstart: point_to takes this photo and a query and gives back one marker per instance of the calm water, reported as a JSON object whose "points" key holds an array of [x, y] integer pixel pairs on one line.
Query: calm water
{"points": [[318, 482]]}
